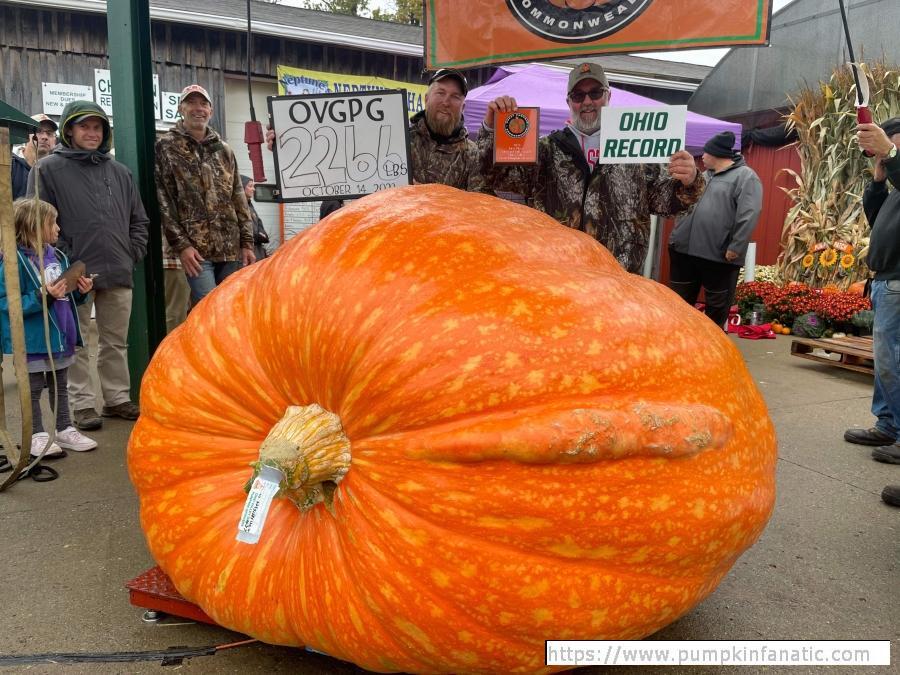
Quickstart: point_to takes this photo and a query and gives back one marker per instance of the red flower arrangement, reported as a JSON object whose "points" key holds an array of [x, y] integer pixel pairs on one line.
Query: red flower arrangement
{"points": [[786, 303]]}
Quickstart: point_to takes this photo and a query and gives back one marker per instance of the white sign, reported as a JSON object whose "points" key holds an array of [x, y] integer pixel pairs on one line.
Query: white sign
{"points": [[340, 145], [170, 113], [103, 87], [645, 135], [57, 95]]}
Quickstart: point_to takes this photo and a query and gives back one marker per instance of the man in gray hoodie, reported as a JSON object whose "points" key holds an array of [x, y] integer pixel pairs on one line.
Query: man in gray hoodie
{"points": [[709, 243], [103, 224]]}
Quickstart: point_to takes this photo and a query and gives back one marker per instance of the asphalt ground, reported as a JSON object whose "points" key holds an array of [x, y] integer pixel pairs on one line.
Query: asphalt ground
{"points": [[825, 568]]}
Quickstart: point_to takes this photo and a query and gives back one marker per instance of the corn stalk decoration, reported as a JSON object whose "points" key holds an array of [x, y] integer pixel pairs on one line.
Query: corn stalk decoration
{"points": [[826, 236]]}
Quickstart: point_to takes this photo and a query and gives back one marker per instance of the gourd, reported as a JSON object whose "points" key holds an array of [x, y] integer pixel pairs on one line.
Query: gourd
{"points": [[493, 436]]}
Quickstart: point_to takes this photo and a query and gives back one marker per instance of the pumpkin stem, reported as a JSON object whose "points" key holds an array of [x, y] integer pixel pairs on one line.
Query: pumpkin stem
{"points": [[309, 447]]}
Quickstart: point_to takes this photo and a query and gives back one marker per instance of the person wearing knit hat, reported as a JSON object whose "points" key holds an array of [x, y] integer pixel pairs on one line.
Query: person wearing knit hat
{"points": [[709, 243], [720, 145], [882, 208]]}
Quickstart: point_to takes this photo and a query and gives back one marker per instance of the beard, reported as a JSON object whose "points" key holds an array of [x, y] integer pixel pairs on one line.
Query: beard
{"points": [[586, 127], [442, 125]]}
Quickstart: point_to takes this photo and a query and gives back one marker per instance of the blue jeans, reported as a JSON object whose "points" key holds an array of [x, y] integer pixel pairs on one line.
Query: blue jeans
{"points": [[886, 348], [211, 275]]}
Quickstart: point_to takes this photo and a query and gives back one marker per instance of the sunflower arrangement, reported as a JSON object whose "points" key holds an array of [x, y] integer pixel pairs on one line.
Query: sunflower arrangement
{"points": [[827, 211]]}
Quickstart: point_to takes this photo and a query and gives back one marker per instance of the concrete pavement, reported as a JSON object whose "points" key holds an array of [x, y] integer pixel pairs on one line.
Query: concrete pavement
{"points": [[825, 568]]}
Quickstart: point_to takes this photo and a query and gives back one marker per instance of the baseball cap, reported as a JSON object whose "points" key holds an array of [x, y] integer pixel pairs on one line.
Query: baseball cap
{"points": [[194, 89], [91, 113], [41, 117], [444, 73], [587, 71]]}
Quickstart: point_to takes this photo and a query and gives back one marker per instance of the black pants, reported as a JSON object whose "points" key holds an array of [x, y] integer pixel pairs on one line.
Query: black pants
{"points": [[687, 274], [59, 395]]}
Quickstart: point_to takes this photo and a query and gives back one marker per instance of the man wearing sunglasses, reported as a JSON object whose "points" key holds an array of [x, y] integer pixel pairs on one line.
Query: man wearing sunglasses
{"points": [[610, 202]]}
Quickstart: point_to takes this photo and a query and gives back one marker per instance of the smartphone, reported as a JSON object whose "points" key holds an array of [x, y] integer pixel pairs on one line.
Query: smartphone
{"points": [[267, 192]]}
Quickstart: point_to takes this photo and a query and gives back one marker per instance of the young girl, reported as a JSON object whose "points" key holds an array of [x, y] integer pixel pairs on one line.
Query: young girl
{"points": [[31, 214]]}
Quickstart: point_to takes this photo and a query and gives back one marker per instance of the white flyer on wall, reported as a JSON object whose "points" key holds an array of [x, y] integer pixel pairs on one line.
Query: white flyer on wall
{"points": [[340, 146]]}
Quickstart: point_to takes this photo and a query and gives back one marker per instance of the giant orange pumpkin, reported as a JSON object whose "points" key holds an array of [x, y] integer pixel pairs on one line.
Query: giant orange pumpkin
{"points": [[527, 443]]}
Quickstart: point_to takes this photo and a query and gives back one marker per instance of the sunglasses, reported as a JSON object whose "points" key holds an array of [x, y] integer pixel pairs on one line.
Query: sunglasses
{"points": [[595, 94]]}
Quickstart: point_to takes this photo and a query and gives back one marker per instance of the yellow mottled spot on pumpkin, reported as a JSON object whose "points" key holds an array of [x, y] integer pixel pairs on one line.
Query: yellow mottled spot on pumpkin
{"points": [[527, 523], [623, 502], [569, 549], [556, 332], [411, 486], [520, 308], [511, 360], [589, 383], [512, 390], [574, 600], [534, 590], [535, 377], [469, 658], [640, 555], [699, 509], [412, 353], [370, 247], [464, 636], [466, 247], [506, 618], [451, 324], [661, 503], [542, 615], [440, 578], [493, 400], [457, 384], [167, 548], [472, 363], [468, 570], [594, 349], [416, 633], [222, 581]]}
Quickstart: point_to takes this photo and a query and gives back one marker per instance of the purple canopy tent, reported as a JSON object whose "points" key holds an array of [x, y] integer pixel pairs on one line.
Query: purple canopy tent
{"points": [[542, 86]]}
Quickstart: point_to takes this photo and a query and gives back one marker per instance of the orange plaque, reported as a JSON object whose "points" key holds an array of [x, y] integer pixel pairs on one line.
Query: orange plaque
{"points": [[516, 136]]}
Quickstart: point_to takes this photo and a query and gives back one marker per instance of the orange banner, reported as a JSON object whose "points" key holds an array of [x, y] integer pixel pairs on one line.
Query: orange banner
{"points": [[469, 33]]}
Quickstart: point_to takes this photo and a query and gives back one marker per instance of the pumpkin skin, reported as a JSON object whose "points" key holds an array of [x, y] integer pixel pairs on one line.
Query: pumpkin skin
{"points": [[543, 446]]}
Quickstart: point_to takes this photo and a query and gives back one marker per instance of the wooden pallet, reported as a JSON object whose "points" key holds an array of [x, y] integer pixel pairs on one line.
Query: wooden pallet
{"points": [[855, 352]]}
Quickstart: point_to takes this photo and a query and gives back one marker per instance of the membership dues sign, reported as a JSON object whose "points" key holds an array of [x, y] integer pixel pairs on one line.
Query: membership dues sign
{"points": [[468, 33], [340, 146]]}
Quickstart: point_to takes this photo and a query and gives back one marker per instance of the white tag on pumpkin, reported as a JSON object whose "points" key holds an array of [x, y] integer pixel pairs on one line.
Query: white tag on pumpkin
{"points": [[256, 508]]}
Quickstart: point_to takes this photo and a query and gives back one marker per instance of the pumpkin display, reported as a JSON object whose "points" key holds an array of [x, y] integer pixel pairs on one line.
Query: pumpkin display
{"points": [[491, 435]]}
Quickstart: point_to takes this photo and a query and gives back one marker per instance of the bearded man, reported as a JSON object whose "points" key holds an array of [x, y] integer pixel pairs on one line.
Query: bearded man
{"points": [[440, 148], [610, 202]]}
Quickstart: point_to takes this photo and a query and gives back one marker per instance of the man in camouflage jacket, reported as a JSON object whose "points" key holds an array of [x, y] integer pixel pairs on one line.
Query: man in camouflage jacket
{"points": [[610, 202], [440, 149], [204, 212]]}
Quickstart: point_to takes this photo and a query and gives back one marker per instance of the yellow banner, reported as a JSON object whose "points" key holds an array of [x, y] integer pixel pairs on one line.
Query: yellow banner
{"points": [[301, 81]]}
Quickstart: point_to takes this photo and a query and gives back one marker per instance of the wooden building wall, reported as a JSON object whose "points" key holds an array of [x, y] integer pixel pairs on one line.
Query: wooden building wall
{"points": [[58, 46]]}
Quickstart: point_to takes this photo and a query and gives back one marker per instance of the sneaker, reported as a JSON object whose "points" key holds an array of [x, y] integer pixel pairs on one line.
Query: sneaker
{"points": [[87, 419], [891, 495], [72, 439], [889, 454], [39, 440], [871, 436], [126, 410]]}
